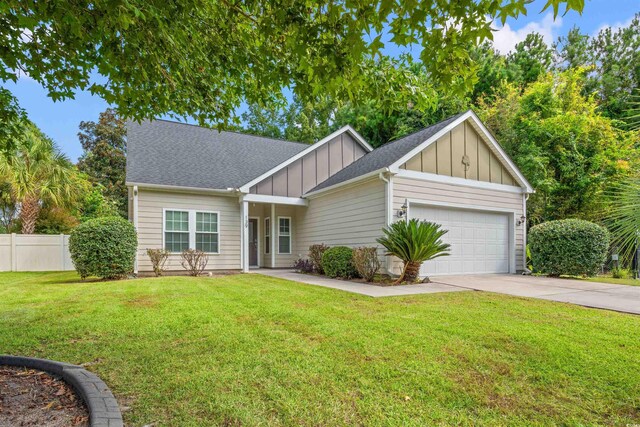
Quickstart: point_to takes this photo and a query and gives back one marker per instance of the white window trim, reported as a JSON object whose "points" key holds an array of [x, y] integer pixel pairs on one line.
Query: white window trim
{"points": [[192, 227], [267, 234], [290, 236]]}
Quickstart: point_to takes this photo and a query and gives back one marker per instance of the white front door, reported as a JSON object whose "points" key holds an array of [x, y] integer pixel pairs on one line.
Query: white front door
{"points": [[479, 240]]}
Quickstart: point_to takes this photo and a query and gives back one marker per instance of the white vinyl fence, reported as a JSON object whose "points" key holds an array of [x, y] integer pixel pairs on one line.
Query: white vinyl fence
{"points": [[34, 252]]}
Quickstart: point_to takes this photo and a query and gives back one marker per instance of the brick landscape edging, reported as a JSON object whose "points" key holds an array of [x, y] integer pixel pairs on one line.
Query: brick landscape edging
{"points": [[103, 407]]}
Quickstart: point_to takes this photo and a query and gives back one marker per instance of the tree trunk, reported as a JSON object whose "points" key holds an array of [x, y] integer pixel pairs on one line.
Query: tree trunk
{"points": [[29, 211], [410, 272]]}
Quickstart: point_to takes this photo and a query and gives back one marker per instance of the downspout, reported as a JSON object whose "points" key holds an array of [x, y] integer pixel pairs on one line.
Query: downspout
{"points": [[525, 197], [388, 216]]}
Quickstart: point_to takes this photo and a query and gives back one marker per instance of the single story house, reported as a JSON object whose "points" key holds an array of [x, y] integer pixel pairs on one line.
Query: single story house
{"points": [[251, 201]]}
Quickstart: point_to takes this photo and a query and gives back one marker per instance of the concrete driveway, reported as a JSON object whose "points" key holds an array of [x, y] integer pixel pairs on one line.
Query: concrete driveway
{"points": [[589, 294]]}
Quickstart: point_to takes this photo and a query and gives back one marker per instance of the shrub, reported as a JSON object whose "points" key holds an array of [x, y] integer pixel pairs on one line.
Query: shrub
{"points": [[315, 255], [194, 261], [568, 247], [158, 259], [338, 262], [104, 247], [414, 242], [303, 266], [366, 262], [621, 273]]}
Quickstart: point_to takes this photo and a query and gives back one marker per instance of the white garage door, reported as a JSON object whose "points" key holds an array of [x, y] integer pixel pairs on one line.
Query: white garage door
{"points": [[479, 241]]}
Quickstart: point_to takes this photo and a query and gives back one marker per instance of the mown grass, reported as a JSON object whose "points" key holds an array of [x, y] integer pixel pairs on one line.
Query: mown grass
{"points": [[255, 350], [609, 279]]}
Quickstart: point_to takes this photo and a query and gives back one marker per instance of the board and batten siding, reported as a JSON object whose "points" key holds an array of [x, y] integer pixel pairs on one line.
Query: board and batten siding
{"points": [[350, 216], [447, 156], [418, 191], [315, 167], [150, 216]]}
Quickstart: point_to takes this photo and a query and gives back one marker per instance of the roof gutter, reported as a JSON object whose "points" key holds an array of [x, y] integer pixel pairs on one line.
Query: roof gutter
{"points": [[140, 185]]}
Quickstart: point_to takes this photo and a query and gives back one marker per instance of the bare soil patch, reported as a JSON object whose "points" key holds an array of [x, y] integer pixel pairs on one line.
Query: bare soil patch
{"points": [[29, 397]]}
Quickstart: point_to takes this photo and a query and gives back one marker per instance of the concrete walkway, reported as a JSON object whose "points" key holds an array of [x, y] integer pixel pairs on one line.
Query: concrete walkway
{"points": [[360, 288], [589, 294]]}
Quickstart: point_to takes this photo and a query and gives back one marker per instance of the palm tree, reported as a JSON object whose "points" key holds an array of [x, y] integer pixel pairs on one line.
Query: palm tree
{"points": [[623, 218], [37, 172], [414, 242]]}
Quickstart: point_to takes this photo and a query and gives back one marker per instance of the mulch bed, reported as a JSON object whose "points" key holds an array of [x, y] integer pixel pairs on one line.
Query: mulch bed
{"points": [[30, 397]]}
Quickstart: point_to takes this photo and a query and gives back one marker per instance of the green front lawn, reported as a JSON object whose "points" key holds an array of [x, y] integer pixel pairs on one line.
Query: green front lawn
{"points": [[609, 279], [254, 350]]}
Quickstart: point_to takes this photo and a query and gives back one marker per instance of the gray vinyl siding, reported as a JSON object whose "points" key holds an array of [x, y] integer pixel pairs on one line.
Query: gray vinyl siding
{"points": [[350, 216], [425, 191], [310, 170], [150, 210]]}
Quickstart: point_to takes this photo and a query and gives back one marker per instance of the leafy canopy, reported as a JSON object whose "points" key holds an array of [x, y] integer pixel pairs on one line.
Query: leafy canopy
{"points": [[204, 58]]}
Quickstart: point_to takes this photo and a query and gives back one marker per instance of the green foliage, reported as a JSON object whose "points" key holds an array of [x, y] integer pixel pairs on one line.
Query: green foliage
{"points": [[568, 247], [315, 255], [565, 147], [104, 157], [621, 273], [37, 173], [12, 117], [623, 217], [338, 262], [414, 242], [257, 50], [55, 220], [530, 59], [96, 205], [104, 247], [366, 262]]}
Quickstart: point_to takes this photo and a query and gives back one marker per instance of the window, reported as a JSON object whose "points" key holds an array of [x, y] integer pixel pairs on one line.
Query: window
{"points": [[191, 229], [207, 232], [176, 234], [284, 235], [267, 235]]}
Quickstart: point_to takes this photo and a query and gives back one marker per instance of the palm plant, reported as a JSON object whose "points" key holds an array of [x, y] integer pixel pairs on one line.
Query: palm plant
{"points": [[623, 218], [414, 242], [37, 172]]}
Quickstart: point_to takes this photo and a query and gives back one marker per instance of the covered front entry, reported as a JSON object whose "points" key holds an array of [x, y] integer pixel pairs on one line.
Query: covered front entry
{"points": [[268, 236], [481, 241]]}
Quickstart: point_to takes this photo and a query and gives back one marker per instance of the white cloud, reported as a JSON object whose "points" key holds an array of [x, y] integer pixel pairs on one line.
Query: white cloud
{"points": [[614, 27], [505, 38]]}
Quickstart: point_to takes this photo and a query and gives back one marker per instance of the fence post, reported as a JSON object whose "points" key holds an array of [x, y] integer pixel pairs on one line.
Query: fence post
{"points": [[62, 259], [14, 260]]}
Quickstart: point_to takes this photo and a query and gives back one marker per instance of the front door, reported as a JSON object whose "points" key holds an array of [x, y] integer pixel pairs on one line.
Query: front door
{"points": [[253, 242]]}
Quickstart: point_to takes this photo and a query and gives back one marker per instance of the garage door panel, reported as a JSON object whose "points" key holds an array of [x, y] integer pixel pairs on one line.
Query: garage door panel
{"points": [[479, 240]]}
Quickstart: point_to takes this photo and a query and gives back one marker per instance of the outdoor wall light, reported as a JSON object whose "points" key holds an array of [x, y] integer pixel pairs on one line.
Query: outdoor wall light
{"points": [[403, 210], [521, 220]]}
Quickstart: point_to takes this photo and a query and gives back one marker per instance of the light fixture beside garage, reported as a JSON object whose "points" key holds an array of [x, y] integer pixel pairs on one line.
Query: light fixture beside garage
{"points": [[521, 220], [403, 210]]}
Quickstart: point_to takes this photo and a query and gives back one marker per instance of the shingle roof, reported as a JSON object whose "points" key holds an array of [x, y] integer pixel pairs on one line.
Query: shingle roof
{"points": [[169, 153], [384, 156]]}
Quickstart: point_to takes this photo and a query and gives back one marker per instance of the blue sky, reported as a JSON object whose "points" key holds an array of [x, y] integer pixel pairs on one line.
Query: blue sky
{"points": [[60, 120]]}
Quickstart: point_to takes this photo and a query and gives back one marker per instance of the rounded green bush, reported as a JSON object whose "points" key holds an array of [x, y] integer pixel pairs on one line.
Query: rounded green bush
{"points": [[338, 262], [104, 247], [568, 247]]}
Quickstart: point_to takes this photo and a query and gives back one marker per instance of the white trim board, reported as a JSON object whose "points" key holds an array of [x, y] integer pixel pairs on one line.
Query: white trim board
{"points": [[279, 200], [486, 136], [181, 189], [245, 188], [446, 179]]}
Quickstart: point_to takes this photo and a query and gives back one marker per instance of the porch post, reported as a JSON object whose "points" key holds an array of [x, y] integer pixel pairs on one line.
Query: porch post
{"points": [[273, 235], [244, 233]]}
